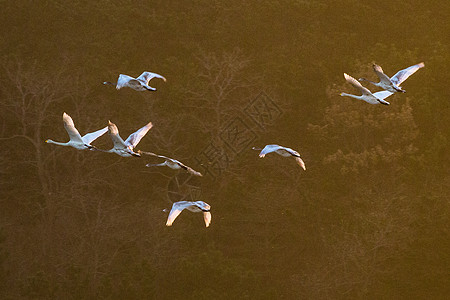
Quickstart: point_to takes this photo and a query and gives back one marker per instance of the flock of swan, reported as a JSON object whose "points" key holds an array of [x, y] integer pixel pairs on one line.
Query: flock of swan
{"points": [[389, 85], [127, 148]]}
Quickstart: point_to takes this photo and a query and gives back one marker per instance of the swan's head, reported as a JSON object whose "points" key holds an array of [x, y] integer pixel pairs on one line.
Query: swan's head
{"points": [[256, 148], [48, 141]]}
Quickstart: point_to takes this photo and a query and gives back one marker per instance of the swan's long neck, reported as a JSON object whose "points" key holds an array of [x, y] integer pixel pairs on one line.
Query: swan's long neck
{"points": [[56, 143], [256, 148], [350, 95]]}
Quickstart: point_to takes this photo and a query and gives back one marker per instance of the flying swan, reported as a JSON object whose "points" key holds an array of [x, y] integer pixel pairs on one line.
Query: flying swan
{"points": [[171, 163], [393, 84], [367, 95], [197, 206], [76, 140], [126, 148], [283, 151], [137, 84]]}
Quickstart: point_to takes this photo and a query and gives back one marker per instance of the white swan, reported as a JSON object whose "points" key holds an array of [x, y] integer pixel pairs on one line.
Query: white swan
{"points": [[367, 95], [137, 84], [126, 148], [197, 206], [283, 151], [171, 163], [393, 84], [76, 140]]}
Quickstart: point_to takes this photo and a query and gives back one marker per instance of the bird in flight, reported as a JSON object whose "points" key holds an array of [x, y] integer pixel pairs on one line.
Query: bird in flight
{"points": [[196, 206], [76, 140], [283, 151], [393, 84], [140, 83]]}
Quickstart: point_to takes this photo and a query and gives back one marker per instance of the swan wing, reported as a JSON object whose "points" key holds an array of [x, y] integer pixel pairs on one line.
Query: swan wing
{"points": [[356, 84], [268, 149], [193, 172], [183, 166], [202, 205], [177, 208], [115, 137], [147, 76], [123, 81], [382, 94], [296, 155], [383, 77], [207, 218], [136, 137], [161, 156], [71, 130], [90, 137], [402, 75], [291, 151], [300, 162]]}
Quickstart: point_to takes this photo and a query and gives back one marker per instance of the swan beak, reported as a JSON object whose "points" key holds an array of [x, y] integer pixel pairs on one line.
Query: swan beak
{"points": [[46, 141]]}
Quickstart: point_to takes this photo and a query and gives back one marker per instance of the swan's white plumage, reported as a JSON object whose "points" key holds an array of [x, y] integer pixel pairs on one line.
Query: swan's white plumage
{"points": [[402, 75], [393, 84], [194, 206], [147, 76], [283, 151], [140, 83], [126, 148], [367, 95], [172, 163], [76, 140]]}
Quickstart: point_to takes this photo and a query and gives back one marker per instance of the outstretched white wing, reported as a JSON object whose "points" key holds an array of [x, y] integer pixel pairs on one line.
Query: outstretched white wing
{"points": [[207, 218], [291, 151], [71, 130], [115, 137], [296, 156], [136, 137], [356, 84], [90, 137], [193, 172], [268, 149], [382, 94], [183, 166], [402, 75], [124, 80], [300, 162], [147, 76], [177, 208], [379, 71]]}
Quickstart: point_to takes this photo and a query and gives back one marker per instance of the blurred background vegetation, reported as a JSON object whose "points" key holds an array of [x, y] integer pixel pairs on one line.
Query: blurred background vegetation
{"points": [[369, 219]]}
